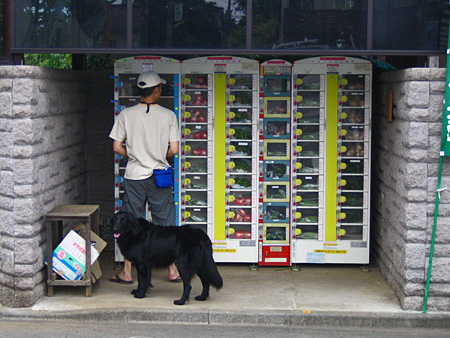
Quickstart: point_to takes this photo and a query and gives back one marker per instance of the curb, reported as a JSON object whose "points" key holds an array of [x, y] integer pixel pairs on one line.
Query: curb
{"points": [[259, 318]]}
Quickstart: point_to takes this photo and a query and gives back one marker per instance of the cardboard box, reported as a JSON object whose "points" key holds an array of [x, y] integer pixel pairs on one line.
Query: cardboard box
{"points": [[69, 257], [99, 245]]}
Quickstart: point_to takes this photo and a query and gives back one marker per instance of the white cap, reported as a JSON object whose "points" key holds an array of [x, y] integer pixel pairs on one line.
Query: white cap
{"points": [[149, 79]]}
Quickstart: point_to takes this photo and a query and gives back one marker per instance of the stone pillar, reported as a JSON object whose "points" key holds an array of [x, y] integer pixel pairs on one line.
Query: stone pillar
{"points": [[405, 170], [42, 165]]}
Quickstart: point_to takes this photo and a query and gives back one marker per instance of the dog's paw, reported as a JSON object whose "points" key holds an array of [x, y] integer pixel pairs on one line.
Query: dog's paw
{"points": [[201, 298], [134, 291], [179, 302], [139, 294]]}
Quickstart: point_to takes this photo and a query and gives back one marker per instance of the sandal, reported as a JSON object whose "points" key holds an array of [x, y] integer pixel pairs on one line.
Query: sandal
{"points": [[176, 280], [117, 279]]}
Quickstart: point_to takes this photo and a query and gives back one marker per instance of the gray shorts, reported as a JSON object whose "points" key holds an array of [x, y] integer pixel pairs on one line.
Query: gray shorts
{"points": [[160, 200]]}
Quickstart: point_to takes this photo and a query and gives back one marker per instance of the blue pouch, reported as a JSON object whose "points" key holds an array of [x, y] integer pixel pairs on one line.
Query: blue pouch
{"points": [[163, 177]]}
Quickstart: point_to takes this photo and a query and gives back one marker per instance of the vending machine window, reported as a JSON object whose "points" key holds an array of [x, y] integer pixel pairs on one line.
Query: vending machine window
{"points": [[308, 182], [276, 212], [309, 165], [306, 232], [241, 182], [241, 115], [309, 82], [127, 85], [309, 116], [196, 198], [241, 165], [196, 165], [355, 82], [308, 149], [195, 148], [309, 99], [353, 149], [277, 85], [240, 198], [277, 107], [239, 148], [308, 199], [349, 183], [353, 133], [351, 166], [196, 181], [241, 132], [276, 170], [275, 233], [241, 99], [277, 128], [307, 216], [241, 82], [354, 115], [354, 99], [351, 233], [276, 149], [196, 81], [353, 199], [309, 133], [196, 115], [276, 192]]}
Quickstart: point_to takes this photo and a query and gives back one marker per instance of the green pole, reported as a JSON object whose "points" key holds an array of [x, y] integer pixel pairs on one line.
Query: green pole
{"points": [[433, 236]]}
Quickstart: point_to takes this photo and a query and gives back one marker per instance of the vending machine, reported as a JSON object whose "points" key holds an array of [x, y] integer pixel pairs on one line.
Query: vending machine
{"points": [[331, 128], [126, 94], [219, 158], [274, 164]]}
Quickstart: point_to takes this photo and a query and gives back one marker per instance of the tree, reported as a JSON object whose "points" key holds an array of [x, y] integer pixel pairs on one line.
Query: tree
{"points": [[64, 61]]}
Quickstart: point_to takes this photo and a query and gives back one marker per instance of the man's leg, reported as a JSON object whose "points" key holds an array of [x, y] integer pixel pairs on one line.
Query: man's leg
{"points": [[161, 202], [162, 206]]}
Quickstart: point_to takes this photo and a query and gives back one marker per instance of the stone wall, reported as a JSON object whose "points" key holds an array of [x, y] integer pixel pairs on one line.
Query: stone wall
{"points": [[405, 170], [42, 165]]}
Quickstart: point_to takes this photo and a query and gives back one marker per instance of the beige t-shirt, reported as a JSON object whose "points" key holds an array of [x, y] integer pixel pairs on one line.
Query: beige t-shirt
{"points": [[147, 137]]}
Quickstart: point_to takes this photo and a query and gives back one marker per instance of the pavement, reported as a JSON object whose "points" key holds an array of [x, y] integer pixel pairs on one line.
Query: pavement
{"points": [[314, 296]]}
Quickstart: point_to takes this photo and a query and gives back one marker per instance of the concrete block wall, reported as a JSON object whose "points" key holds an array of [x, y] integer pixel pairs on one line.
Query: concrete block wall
{"points": [[42, 165], [405, 170]]}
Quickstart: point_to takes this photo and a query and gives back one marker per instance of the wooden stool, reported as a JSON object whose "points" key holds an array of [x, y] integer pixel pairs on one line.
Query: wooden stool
{"points": [[87, 214]]}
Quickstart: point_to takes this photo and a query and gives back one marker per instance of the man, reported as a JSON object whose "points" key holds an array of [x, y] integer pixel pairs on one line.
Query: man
{"points": [[151, 136]]}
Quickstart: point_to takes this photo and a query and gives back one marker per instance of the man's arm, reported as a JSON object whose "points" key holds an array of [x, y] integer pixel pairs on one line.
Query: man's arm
{"points": [[173, 148], [120, 149]]}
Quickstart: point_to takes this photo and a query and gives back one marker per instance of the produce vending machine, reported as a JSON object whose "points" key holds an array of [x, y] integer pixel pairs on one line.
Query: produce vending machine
{"points": [[126, 94], [274, 161], [274, 164], [331, 130], [219, 158]]}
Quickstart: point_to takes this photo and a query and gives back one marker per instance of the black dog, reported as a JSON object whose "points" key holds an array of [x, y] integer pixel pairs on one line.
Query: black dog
{"points": [[149, 246]]}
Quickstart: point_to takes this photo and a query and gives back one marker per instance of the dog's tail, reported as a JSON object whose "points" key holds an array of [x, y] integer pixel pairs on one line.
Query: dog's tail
{"points": [[210, 266]]}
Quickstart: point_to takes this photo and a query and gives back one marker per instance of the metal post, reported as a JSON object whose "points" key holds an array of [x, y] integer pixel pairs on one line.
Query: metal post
{"points": [[129, 24], [249, 24]]}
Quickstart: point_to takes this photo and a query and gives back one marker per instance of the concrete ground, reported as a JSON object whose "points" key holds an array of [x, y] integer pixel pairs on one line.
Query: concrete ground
{"points": [[315, 295]]}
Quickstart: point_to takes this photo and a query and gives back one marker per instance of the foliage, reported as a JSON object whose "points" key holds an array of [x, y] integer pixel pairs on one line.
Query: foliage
{"points": [[62, 61], [100, 61]]}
